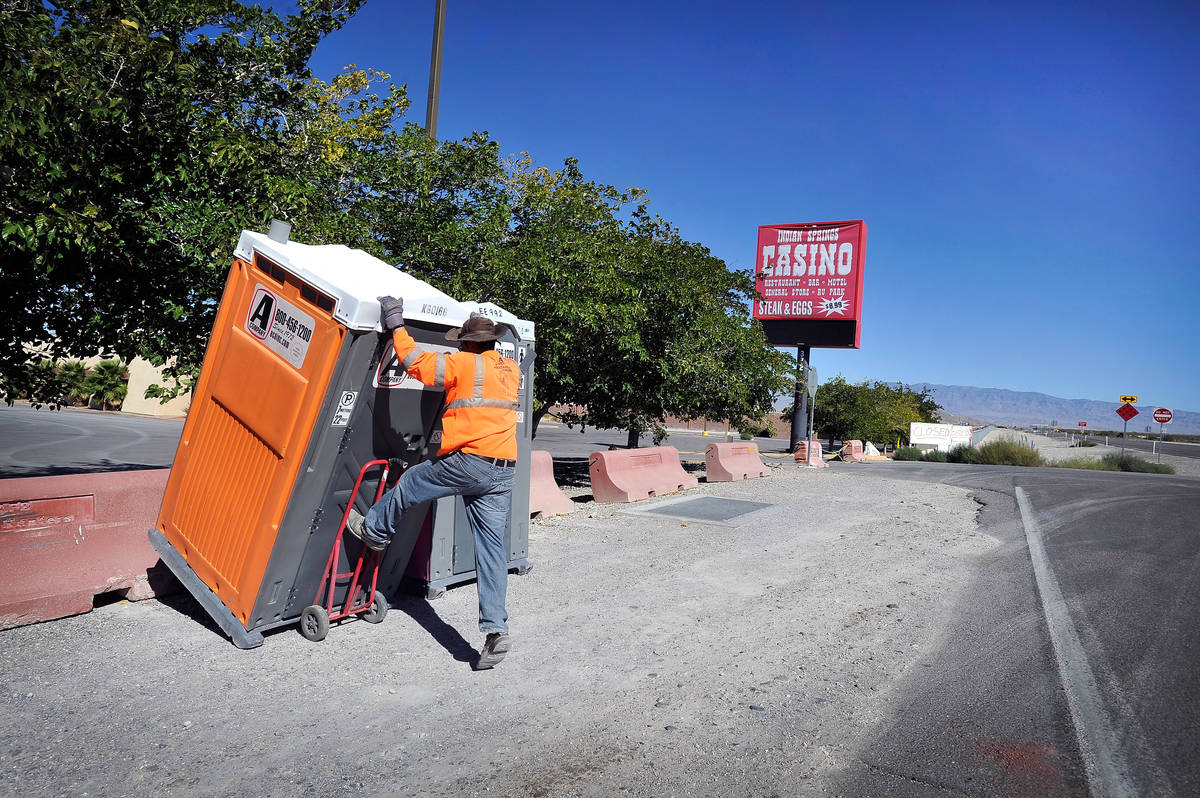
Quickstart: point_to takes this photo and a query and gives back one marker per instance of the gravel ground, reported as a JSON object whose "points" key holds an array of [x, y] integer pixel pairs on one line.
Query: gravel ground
{"points": [[652, 656]]}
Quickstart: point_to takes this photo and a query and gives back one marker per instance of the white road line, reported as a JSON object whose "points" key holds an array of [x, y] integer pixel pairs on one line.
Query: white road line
{"points": [[1108, 773]]}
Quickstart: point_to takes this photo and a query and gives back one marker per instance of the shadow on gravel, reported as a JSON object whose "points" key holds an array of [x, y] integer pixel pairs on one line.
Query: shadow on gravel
{"points": [[420, 611], [182, 602]]}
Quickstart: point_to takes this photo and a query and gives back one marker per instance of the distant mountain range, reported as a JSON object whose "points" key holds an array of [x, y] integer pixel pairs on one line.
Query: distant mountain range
{"points": [[1024, 408]]}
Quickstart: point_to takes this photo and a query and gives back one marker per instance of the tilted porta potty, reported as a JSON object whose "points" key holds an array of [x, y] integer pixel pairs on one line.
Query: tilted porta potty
{"points": [[298, 392]]}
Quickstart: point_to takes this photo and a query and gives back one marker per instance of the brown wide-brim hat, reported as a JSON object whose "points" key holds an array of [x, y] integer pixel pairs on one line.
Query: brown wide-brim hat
{"points": [[477, 328]]}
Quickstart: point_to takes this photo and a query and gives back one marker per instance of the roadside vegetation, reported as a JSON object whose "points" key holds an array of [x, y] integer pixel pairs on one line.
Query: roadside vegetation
{"points": [[72, 384], [1115, 462], [994, 453], [1005, 452]]}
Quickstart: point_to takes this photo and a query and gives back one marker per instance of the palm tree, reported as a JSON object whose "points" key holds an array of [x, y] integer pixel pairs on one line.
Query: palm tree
{"points": [[107, 384], [74, 380]]}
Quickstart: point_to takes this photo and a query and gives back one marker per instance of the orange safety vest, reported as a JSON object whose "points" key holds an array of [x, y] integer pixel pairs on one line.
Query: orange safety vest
{"points": [[481, 396]]}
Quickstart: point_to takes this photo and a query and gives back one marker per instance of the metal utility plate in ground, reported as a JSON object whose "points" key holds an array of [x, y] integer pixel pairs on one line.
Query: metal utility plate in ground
{"points": [[705, 509]]}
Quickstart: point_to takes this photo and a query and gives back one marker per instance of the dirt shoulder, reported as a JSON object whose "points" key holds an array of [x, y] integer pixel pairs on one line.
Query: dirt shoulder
{"points": [[652, 656]]}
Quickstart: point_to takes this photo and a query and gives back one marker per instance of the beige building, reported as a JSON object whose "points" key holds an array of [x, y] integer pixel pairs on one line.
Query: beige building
{"points": [[141, 376]]}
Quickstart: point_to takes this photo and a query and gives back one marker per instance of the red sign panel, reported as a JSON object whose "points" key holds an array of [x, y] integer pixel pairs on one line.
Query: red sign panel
{"points": [[1163, 416], [1083, 423], [810, 271], [1127, 411]]}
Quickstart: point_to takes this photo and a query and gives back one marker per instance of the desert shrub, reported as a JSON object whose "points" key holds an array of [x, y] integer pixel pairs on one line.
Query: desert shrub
{"points": [[1127, 462], [963, 453], [908, 453], [1086, 463], [1007, 452], [935, 456], [746, 436], [1115, 462], [1084, 443]]}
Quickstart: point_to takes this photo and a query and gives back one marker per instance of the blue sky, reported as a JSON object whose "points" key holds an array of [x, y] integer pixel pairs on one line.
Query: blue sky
{"points": [[1029, 174]]}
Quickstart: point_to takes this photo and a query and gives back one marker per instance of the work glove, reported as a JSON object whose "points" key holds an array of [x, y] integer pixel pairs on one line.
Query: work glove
{"points": [[391, 312]]}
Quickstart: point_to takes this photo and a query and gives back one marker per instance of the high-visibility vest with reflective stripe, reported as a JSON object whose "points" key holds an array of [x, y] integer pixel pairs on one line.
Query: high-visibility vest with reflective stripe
{"points": [[481, 396]]}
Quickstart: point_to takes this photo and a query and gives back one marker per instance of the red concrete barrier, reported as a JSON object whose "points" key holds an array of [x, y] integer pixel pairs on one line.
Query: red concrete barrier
{"points": [[730, 462], [627, 475], [66, 539], [808, 453], [853, 450], [545, 496]]}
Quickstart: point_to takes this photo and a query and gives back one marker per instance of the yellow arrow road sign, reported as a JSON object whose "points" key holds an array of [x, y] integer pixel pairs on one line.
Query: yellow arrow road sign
{"points": [[1131, 399]]}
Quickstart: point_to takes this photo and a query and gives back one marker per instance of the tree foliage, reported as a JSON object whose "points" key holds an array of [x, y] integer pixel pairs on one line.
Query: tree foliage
{"points": [[870, 410], [634, 322], [139, 139]]}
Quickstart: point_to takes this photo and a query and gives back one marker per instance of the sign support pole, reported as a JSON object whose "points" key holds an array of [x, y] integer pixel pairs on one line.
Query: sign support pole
{"points": [[800, 399], [1124, 435], [1160, 440]]}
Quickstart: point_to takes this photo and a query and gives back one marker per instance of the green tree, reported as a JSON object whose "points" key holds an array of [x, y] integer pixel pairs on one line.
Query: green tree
{"points": [[74, 375], [634, 322], [107, 384], [870, 410], [558, 267], [137, 141]]}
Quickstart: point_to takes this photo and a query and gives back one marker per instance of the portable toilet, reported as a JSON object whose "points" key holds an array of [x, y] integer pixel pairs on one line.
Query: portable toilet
{"points": [[296, 392]]}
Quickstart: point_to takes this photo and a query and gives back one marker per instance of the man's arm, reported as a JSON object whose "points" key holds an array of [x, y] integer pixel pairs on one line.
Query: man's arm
{"points": [[434, 369]]}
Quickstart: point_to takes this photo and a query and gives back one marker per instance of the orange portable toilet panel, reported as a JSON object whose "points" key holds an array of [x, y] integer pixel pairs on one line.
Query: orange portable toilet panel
{"points": [[273, 347]]}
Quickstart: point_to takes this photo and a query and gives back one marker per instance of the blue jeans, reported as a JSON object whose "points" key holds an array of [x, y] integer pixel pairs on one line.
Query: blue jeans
{"points": [[487, 494]]}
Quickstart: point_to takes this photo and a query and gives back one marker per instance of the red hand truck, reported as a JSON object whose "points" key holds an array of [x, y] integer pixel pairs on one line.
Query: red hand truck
{"points": [[360, 600]]}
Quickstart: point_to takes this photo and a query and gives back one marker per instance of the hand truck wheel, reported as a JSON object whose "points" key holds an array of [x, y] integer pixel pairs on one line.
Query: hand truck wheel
{"points": [[379, 609], [314, 623]]}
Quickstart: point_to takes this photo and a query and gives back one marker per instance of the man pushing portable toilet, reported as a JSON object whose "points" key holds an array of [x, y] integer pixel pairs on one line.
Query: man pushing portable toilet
{"points": [[298, 413], [445, 551]]}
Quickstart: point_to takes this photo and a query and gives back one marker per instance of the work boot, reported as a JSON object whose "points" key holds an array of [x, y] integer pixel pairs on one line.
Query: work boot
{"points": [[355, 524], [494, 649]]}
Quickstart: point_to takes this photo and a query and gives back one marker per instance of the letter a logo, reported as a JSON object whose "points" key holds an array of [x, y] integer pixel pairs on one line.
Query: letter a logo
{"points": [[262, 313], [389, 374]]}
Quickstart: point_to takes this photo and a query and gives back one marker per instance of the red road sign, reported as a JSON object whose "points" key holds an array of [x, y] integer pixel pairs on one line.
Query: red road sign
{"points": [[1127, 411], [1083, 423], [1162, 415]]}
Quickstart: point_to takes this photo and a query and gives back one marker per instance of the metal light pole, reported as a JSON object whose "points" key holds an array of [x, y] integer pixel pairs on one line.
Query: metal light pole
{"points": [[435, 70]]}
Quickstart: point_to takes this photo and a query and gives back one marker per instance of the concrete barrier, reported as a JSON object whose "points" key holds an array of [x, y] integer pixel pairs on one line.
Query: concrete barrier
{"points": [[545, 496], [853, 451], [65, 539], [730, 462], [808, 453], [627, 475]]}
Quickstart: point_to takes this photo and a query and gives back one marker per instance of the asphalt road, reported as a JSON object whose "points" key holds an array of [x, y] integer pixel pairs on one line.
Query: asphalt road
{"points": [[70, 441], [1072, 662], [563, 442], [46, 442]]}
